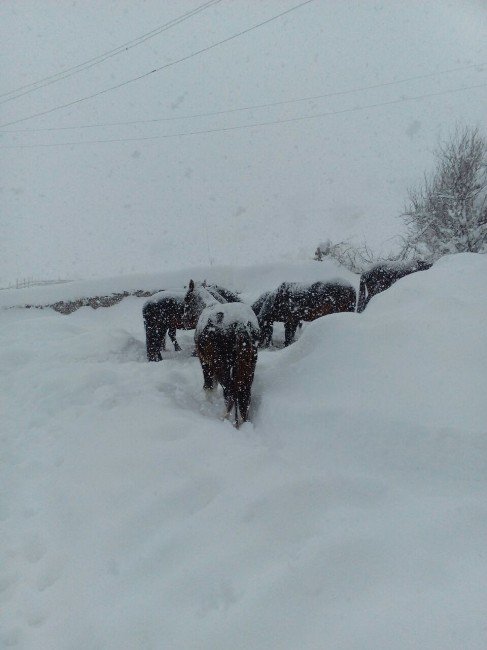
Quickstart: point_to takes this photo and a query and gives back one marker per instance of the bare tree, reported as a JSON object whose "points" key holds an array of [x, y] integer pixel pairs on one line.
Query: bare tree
{"points": [[448, 212], [354, 258]]}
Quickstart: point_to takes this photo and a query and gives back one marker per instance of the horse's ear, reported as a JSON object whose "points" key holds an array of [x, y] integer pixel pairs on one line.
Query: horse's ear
{"points": [[191, 285]]}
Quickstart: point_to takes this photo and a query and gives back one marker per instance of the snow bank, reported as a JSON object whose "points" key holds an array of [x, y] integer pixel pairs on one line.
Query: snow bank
{"points": [[351, 514], [251, 280]]}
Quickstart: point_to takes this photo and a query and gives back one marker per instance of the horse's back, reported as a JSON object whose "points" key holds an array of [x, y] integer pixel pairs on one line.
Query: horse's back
{"points": [[164, 305], [310, 301], [226, 318], [383, 275], [222, 292]]}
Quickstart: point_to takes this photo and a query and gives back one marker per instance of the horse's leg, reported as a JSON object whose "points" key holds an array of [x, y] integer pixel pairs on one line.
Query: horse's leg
{"points": [[227, 382], [228, 397], [208, 376], [244, 401], [154, 338], [172, 336], [266, 334], [290, 328], [162, 338]]}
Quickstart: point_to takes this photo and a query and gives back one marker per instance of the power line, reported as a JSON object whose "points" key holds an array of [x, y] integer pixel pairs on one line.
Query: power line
{"points": [[247, 126], [162, 67], [86, 65], [252, 107]]}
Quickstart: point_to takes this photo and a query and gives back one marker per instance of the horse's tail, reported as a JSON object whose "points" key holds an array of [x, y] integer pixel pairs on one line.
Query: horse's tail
{"points": [[236, 357], [361, 295]]}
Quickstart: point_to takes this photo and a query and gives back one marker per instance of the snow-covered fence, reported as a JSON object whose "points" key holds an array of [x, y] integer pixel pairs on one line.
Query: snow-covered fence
{"points": [[24, 283], [69, 306]]}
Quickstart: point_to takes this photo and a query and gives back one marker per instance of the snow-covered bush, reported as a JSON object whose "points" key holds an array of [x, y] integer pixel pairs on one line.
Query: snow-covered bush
{"points": [[447, 213], [354, 258]]}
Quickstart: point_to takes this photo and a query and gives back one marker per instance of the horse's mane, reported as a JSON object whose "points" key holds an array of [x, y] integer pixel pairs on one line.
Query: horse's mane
{"points": [[207, 294], [226, 294], [267, 305]]}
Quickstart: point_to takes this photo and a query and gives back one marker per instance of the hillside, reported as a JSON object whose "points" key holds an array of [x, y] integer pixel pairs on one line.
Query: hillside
{"points": [[350, 514]]}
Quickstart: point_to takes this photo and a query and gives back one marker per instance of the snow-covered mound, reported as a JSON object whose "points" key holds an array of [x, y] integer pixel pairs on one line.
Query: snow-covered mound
{"points": [[352, 513]]}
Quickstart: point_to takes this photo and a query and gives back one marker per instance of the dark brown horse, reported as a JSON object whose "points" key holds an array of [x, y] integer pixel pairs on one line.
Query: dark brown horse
{"points": [[163, 314], [293, 302], [381, 276], [226, 339]]}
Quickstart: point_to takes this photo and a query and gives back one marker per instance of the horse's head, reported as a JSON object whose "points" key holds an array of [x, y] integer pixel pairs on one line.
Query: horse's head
{"points": [[196, 299], [282, 301]]}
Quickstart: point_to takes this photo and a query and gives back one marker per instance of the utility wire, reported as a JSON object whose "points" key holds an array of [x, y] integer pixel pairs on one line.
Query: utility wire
{"points": [[86, 65], [248, 126], [162, 67], [252, 107]]}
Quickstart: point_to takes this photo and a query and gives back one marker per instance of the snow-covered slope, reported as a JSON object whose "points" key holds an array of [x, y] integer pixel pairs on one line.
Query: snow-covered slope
{"points": [[352, 513], [251, 280]]}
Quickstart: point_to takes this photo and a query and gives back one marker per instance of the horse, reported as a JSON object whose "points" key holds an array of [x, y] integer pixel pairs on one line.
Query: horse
{"points": [[226, 339], [382, 276], [198, 297], [293, 302], [266, 329], [163, 314]]}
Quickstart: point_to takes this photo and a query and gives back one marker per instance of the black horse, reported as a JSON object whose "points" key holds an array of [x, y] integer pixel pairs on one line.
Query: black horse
{"points": [[266, 329], [163, 314], [381, 276], [293, 302], [226, 339]]}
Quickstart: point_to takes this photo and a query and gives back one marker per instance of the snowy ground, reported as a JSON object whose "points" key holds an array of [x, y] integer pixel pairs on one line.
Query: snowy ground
{"points": [[351, 515]]}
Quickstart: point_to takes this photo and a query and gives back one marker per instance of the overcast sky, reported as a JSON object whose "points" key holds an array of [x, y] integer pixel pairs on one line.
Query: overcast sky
{"points": [[237, 196]]}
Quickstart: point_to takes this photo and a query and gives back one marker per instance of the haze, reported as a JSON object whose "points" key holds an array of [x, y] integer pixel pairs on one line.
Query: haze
{"points": [[241, 196]]}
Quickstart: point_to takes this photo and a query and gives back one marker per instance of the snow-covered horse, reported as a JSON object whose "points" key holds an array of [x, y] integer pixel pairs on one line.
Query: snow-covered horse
{"points": [[266, 330], [293, 302], [226, 339], [381, 276], [163, 314]]}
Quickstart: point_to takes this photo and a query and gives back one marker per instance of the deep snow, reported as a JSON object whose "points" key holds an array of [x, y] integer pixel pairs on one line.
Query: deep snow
{"points": [[352, 513]]}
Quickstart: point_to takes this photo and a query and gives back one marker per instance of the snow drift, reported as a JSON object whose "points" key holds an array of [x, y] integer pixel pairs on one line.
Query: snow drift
{"points": [[351, 514]]}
